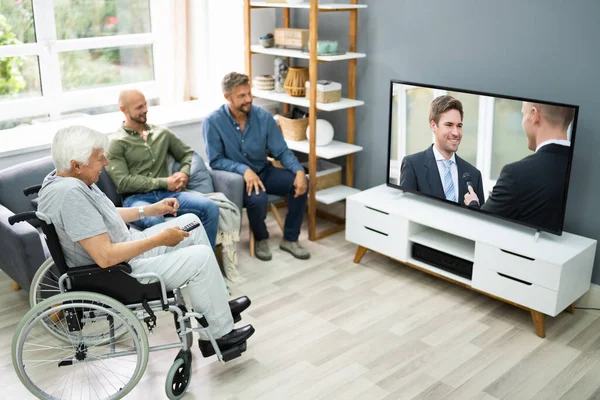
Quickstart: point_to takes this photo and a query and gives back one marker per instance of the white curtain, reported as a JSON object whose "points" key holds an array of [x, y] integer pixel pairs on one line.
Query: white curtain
{"points": [[172, 49], [199, 42]]}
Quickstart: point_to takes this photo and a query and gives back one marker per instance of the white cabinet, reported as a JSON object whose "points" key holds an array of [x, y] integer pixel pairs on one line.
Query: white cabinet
{"points": [[544, 276]]}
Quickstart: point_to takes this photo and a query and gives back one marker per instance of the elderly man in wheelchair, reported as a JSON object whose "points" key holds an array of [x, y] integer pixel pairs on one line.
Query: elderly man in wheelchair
{"points": [[85, 339]]}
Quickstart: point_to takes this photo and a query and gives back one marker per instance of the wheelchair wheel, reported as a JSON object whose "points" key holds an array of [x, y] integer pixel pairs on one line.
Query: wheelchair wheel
{"points": [[45, 285], [84, 367], [179, 378]]}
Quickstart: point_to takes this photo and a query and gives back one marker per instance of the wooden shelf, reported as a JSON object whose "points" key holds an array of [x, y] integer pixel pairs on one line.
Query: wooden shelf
{"points": [[335, 193], [332, 150], [306, 5], [304, 102], [258, 49]]}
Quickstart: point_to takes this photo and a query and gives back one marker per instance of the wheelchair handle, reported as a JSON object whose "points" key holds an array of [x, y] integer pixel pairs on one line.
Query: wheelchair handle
{"points": [[24, 216], [32, 189]]}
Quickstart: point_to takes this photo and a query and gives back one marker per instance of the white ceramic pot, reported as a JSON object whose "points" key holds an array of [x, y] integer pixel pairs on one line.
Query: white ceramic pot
{"points": [[324, 132]]}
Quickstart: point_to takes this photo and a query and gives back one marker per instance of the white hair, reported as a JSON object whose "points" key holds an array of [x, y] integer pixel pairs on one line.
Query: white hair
{"points": [[75, 143]]}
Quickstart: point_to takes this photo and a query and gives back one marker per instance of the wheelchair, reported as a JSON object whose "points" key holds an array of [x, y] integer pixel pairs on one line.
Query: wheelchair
{"points": [[83, 336]]}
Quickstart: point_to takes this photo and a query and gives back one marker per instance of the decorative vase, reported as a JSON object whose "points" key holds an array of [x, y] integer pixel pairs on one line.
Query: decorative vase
{"points": [[280, 73], [295, 81], [324, 131]]}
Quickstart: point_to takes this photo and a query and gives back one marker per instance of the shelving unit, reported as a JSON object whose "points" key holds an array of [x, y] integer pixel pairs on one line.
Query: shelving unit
{"points": [[304, 102], [258, 49], [336, 148]]}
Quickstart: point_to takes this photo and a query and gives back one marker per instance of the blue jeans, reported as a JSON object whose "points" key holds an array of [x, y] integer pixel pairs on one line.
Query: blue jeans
{"points": [[189, 202], [277, 181]]}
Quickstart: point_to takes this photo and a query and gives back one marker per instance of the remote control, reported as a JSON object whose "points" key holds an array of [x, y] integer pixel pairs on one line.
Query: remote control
{"points": [[190, 226]]}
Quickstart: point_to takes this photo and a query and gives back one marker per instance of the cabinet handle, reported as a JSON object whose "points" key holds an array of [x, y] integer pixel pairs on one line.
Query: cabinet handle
{"points": [[376, 210], [376, 231], [518, 255], [514, 279]]}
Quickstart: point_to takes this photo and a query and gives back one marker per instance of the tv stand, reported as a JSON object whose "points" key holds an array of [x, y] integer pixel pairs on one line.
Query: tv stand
{"points": [[544, 277]]}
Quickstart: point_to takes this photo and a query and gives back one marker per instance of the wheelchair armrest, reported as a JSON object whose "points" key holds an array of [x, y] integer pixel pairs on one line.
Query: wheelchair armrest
{"points": [[20, 217], [96, 269], [32, 189]]}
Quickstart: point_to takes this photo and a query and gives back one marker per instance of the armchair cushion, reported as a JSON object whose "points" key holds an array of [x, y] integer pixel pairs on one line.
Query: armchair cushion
{"points": [[230, 184], [200, 179], [16, 178]]}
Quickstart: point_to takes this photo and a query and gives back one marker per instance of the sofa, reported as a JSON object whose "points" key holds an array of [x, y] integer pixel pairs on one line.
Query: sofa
{"points": [[22, 248]]}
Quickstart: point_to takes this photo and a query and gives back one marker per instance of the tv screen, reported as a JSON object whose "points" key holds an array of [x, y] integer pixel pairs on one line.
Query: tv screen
{"points": [[495, 154]]}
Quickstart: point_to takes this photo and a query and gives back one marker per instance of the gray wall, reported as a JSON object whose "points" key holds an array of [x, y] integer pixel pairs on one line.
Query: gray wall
{"points": [[535, 48]]}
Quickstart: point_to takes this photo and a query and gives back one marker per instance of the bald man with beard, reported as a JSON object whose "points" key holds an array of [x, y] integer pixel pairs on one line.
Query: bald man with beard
{"points": [[137, 156]]}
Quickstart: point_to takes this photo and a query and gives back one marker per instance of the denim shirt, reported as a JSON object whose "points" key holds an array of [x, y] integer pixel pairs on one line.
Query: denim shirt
{"points": [[229, 149]]}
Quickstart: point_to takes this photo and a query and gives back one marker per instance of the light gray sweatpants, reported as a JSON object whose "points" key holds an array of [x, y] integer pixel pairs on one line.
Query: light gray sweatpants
{"points": [[191, 262]]}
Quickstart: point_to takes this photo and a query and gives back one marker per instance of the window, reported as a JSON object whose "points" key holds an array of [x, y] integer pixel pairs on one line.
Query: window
{"points": [[58, 57]]}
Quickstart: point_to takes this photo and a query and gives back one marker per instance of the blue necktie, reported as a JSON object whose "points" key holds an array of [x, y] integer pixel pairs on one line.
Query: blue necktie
{"points": [[448, 183]]}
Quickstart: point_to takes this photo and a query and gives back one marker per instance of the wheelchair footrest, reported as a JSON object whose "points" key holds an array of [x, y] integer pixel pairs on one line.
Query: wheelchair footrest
{"points": [[233, 352]]}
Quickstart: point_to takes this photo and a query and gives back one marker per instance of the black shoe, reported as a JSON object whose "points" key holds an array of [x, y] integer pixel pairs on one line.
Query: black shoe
{"points": [[235, 338], [237, 306]]}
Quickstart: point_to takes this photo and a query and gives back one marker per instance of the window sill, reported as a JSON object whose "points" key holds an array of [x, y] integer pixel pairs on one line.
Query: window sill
{"points": [[31, 138]]}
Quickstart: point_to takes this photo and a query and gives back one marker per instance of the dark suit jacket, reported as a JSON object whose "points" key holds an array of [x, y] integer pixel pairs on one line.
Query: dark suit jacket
{"points": [[532, 190], [419, 172]]}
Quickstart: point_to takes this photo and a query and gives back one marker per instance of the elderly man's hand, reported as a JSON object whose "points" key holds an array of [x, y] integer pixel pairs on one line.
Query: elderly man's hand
{"points": [[165, 206], [172, 236]]}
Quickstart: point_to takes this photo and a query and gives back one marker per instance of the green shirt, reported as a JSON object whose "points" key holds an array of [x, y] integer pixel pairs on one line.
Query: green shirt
{"points": [[137, 166]]}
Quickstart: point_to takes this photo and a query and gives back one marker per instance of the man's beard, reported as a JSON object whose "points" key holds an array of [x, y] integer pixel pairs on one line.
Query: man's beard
{"points": [[140, 119], [245, 108]]}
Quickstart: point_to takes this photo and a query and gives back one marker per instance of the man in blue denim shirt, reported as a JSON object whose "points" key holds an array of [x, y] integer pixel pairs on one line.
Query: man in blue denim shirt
{"points": [[237, 137]]}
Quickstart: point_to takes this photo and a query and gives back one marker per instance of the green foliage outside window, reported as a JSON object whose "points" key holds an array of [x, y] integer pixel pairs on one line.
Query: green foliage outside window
{"points": [[11, 78]]}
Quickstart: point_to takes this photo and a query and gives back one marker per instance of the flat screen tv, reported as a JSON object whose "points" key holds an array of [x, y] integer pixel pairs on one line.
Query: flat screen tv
{"points": [[501, 155]]}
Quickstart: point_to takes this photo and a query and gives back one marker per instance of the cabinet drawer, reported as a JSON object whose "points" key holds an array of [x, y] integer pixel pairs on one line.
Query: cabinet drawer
{"points": [[538, 272], [373, 217], [517, 291], [391, 243]]}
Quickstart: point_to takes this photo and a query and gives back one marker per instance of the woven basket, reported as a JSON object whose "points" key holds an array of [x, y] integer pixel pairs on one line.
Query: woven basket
{"points": [[293, 129], [295, 81], [328, 174]]}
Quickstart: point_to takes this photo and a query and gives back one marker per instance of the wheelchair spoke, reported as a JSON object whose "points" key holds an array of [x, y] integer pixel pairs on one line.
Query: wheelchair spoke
{"points": [[109, 368]]}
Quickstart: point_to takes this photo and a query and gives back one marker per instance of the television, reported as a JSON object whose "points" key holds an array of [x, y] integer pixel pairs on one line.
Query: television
{"points": [[505, 156]]}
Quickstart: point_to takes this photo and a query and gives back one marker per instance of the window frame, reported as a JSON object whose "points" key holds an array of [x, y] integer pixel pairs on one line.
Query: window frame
{"points": [[53, 101]]}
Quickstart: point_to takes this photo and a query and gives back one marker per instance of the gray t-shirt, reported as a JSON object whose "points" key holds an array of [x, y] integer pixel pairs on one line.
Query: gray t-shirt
{"points": [[79, 212]]}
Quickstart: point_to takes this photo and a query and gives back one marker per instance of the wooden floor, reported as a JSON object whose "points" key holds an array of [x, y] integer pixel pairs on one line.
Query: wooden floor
{"points": [[329, 328]]}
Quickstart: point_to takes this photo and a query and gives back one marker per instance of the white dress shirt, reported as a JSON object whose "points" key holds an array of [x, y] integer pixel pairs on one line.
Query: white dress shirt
{"points": [[439, 159], [561, 142]]}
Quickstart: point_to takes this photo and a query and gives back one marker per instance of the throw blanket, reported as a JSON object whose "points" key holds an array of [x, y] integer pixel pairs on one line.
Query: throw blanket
{"points": [[228, 234]]}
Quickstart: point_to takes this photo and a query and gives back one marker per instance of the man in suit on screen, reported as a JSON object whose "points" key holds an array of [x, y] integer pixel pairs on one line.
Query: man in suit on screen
{"points": [[532, 190], [438, 170]]}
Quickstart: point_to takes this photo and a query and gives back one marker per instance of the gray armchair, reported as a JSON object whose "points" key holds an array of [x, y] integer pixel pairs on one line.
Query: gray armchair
{"points": [[22, 248]]}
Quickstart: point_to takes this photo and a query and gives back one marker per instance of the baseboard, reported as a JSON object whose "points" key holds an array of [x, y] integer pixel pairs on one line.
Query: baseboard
{"points": [[591, 298]]}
